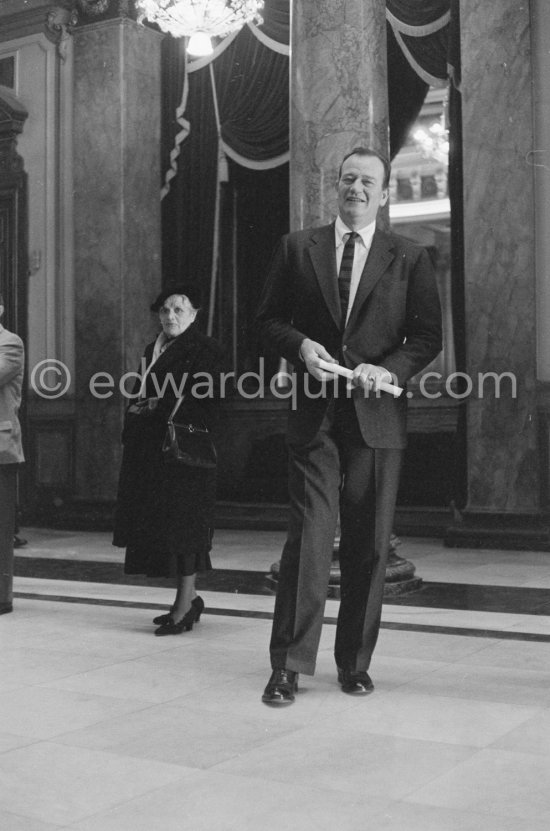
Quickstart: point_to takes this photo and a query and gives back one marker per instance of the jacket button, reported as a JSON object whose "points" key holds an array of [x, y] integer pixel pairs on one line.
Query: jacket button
{"points": [[344, 348]]}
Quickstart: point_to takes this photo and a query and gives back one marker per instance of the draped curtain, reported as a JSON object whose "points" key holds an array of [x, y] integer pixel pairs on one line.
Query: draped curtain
{"points": [[237, 102]]}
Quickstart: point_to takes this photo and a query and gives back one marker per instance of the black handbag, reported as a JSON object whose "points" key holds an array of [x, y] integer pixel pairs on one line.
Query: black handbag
{"points": [[187, 444]]}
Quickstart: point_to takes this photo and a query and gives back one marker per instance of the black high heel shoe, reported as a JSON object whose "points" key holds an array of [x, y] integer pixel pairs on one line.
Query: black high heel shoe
{"points": [[160, 620], [197, 603], [183, 625]]}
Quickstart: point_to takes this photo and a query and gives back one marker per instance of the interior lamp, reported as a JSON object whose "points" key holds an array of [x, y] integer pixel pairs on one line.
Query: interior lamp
{"points": [[200, 20], [200, 45]]}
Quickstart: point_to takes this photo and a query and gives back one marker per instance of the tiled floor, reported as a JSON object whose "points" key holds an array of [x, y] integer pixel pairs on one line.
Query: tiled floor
{"points": [[105, 728]]}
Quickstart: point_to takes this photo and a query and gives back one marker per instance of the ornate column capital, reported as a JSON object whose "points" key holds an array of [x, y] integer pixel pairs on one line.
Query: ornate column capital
{"points": [[88, 10], [60, 23]]}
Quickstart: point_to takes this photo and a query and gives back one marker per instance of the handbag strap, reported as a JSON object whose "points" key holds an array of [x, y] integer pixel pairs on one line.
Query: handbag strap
{"points": [[174, 411], [176, 408]]}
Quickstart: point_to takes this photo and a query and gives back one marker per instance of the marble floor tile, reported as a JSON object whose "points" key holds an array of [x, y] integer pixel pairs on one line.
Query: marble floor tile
{"points": [[124, 680], [539, 625], [254, 550], [81, 590], [350, 761], [533, 736], [318, 699], [405, 816], [512, 655], [17, 822], [7, 685], [153, 596], [41, 713], [190, 667], [430, 556], [56, 543], [206, 665], [432, 718], [498, 782], [185, 735], [104, 727], [520, 687], [26, 665], [9, 741], [58, 784], [221, 802], [392, 673], [79, 629], [482, 621], [428, 646]]}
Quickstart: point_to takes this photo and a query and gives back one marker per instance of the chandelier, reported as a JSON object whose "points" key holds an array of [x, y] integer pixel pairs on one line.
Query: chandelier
{"points": [[433, 142], [199, 20]]}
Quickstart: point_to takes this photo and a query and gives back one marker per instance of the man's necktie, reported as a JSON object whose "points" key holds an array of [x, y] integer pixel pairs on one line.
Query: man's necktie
{"points": [[344, 276]]}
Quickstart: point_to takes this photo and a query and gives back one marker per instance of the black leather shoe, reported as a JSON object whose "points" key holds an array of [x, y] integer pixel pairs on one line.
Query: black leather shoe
{"points": [[281, 687], [355, 682]]}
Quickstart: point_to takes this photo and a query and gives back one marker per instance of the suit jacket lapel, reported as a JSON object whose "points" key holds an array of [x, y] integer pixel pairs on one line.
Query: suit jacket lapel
{"points": [[323, 257], [380, 256]]}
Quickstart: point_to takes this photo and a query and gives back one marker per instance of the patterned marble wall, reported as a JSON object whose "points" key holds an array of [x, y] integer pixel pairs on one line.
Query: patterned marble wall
{"points": [[117, 229], [337, 97], [499, 254]]}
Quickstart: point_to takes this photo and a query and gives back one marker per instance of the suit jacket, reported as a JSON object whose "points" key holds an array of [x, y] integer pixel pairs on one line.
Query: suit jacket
{"points": [[12, 360], [395, 322]]}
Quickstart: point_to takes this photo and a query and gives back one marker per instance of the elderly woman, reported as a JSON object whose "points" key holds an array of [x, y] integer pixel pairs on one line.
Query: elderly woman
{"points": [[164, 514]]}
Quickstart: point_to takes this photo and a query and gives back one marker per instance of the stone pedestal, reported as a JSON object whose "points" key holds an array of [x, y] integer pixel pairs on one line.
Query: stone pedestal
{"points": [[400, 574], [117, 231]]}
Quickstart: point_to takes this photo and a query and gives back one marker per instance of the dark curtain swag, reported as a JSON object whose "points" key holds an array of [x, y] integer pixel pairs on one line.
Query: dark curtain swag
{"points": [[237, 105]]}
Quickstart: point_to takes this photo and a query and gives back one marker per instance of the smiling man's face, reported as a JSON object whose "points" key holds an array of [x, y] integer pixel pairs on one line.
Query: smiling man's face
{"points": [[361, 191]]}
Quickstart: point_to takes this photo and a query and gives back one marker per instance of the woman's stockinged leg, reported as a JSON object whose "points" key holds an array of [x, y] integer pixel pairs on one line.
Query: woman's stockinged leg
{"points": [[184, 596]]}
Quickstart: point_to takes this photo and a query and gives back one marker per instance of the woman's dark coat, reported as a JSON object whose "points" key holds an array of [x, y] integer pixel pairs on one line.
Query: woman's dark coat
{"points": [[164, 514]]}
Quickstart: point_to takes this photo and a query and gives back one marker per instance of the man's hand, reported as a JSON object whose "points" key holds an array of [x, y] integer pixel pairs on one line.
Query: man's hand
{"points": [[311, 353], [370, 376]]}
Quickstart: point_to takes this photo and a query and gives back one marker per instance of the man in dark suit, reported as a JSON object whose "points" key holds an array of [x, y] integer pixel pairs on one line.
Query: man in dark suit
{"points": [[353, 294], [11, 452]]}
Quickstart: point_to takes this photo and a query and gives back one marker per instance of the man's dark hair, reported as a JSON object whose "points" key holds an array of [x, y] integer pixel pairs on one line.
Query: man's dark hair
{"points": [[368, 151], [2, 299]]}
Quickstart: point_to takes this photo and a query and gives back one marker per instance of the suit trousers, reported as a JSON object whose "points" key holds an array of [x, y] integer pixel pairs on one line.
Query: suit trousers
{"points": [[335, 473], [8, 491]]}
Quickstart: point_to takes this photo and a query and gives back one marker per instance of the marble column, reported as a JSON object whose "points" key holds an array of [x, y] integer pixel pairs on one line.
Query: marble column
{"points": [[500, 279], [338, 98], [117, 231], [540, 23]]}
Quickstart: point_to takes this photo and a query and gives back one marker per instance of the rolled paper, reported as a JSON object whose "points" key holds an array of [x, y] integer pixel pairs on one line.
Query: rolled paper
{"points": [[336, 369]]}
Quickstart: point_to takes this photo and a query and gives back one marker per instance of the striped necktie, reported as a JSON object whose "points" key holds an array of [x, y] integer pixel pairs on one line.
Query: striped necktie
{"points": [[344, 276]]}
